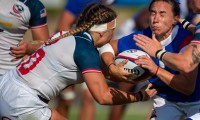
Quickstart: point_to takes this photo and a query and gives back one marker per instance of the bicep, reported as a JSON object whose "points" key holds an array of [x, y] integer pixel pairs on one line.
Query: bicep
{"points": [[187, 56], [96, 83], [182, 61], [41, 33]]}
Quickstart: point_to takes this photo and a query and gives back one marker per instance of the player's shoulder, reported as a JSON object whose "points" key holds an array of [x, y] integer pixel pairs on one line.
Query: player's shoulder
{"points": [[183, 31], [85, 36], [146, 32], [31, 1], [33, 4]]}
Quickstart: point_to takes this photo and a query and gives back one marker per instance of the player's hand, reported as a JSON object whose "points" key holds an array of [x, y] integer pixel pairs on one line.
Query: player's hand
{"points": [[150, 46], [147, 63], [148, 93], [20, 50], [118, 73]]}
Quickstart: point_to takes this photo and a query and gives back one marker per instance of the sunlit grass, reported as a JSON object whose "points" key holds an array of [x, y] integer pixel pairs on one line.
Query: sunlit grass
{"points": [[136, 111]]}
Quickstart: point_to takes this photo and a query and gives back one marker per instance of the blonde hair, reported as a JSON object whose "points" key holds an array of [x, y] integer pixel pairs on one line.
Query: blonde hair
{"points": [[95, 14]]}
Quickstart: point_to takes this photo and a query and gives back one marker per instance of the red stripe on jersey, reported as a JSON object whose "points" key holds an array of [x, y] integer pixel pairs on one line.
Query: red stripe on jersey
{"points": [[197, 31], [195, 41], [5, 118], [185, 42], [91, 70], [28, 65], [39, 26]]}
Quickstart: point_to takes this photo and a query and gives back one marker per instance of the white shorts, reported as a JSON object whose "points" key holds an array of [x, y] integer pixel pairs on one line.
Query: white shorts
{"points": [[194, 117], [166, 110], [19, 102]]}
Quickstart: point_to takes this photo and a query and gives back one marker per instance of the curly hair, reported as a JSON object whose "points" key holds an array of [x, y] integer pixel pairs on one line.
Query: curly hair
{"points": [[94, 14]]}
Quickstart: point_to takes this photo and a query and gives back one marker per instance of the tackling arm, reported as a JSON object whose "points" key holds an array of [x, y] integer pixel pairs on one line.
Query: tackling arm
{"points": [[110, 96]]}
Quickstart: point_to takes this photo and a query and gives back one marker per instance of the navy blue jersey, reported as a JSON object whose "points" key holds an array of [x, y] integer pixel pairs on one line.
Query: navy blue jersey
{"points": [[86, 56], [178, 40]]}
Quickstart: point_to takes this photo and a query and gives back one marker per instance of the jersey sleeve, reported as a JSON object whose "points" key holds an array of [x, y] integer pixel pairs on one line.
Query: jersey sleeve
{"points": [[197, 34], [127, 42], [87, 58], [38, 14]]}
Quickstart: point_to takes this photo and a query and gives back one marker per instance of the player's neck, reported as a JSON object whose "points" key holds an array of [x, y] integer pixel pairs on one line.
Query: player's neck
{"points": [[164, 36]]}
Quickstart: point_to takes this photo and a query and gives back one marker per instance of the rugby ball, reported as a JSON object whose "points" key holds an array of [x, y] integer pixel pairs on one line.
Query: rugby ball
{"points": [[132, 55]]}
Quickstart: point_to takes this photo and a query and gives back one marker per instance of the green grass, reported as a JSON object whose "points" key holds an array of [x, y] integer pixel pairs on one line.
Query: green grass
{"points": [[136, 111]]}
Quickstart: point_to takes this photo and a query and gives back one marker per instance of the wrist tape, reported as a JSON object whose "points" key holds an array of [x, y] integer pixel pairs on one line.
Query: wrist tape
{"points": [[160, 53]]}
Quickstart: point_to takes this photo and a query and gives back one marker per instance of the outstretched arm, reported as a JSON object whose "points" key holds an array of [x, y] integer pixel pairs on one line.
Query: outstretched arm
{"points": [[110, 96]]}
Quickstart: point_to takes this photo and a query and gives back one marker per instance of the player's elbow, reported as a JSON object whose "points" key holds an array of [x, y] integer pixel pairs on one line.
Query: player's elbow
{"points": [[188, 91], [102, 101], [186, 68], [186, 65], [104, 98]]}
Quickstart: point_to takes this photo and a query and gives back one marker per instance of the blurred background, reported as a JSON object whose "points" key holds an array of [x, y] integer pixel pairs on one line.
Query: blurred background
{"points": [[125, 10]]}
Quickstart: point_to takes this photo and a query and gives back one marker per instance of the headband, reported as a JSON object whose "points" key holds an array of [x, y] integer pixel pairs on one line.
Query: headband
{"points": [[104, 27]]}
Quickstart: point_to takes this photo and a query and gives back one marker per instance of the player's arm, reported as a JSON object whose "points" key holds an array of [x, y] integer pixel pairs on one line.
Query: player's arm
{"points": [[26, 47], [38, 25], [108, 52], [184, 83], [187, 25], [66, 21], [106, 95], [177, 82], [181, 62], [40, 35]]}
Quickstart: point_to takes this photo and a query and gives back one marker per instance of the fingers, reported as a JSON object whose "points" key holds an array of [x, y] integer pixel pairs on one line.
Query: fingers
{"points": [[154, 37], [19, 50], [142, 60], [141, 40], [15, 59], [149, 86], [147, 63], [150, 90], [123, 62], [141, 37]]}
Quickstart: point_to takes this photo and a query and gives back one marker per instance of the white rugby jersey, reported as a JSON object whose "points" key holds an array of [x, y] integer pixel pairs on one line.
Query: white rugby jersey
{"points": [[16, 17], [53, 67]]}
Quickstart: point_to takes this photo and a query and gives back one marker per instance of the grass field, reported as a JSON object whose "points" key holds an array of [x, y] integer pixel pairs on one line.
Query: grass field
{"points": [[135, 111]]}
